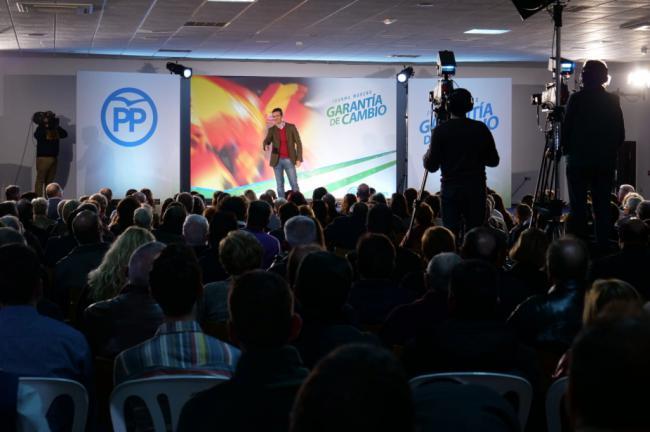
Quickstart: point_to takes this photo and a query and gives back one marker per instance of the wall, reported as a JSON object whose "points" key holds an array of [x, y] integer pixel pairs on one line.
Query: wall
{"points": [[32, 83]]}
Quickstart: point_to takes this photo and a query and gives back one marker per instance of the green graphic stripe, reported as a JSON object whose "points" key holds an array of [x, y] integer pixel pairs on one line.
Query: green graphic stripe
{"points": [[266, 184], [355, 178]]}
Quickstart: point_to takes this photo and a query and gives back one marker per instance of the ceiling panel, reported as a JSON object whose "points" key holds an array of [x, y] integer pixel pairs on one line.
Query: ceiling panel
{"points": [[343, 30]]}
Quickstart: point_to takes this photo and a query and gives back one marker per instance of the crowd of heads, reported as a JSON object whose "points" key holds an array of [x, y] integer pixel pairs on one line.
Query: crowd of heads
{"points": [[332, 252]]}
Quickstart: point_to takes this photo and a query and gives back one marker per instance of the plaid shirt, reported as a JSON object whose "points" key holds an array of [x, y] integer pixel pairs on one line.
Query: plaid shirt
{"points": [[178, 347]]}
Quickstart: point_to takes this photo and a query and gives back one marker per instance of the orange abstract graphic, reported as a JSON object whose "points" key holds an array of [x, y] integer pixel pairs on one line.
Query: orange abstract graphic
{"points": [[229, 123]]}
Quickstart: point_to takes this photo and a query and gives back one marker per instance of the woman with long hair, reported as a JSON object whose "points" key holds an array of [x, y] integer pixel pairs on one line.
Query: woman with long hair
{"points": [[106, 281]]}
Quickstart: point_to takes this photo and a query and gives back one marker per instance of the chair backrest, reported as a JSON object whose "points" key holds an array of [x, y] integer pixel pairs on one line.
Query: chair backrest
{"points": [[554, 402], [501, 383], [178, 389], [48, 389]]}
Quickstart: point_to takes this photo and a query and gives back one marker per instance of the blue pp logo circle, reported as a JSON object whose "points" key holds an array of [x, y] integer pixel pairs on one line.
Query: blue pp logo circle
{"points": [[129, 117]]}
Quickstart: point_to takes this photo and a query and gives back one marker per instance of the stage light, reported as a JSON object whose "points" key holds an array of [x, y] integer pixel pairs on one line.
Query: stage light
{"points": [[405, 74], [639, 78], [528, 8], [179, 69]]}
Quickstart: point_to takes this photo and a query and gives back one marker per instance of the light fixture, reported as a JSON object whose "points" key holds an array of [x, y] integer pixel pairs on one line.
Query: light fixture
{"points": [[389, 21], [405, 74], [179, 69], [639, 78], [487, 31], [644, 50]]}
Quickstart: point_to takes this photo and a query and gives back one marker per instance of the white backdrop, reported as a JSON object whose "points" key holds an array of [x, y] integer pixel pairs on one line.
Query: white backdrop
{"points": [[492, 105], [128, 132]]}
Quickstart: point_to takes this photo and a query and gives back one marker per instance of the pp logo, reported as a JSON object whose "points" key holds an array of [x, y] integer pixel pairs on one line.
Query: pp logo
{"points": [[129, 117]]}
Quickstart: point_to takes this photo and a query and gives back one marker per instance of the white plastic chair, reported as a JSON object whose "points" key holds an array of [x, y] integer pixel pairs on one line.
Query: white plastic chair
{"points": [[48, 389], [554, 401], [501, 383], [177, 388]]}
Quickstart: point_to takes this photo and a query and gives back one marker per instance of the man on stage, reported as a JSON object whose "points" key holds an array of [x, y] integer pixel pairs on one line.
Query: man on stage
{"points": [[286, 151], [461, 148], [48, 133]]}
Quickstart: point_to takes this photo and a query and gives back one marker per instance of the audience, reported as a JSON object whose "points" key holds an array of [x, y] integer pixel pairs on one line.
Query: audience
{"points": [[106, 280], [32, 344], [263, 387], [71, 272], [409, 320], [609, 374], [322, 289], [179, 345], [259, 214], [375, 294], [220, 225], [132, 316], [355, 388], [239, 252], [196, 230], [474, 338], [508, 302], [550, 321], [629, 263]]}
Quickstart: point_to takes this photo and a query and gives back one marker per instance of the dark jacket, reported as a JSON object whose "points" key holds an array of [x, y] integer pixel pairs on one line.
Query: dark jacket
{"points": [[374, 299], [593, 129], [550, 321], [421, 316], [461, 148], [71, 272], [47, 141], [630, 265], [259, 396], [294, 144], [122, 322], [467, 345]]}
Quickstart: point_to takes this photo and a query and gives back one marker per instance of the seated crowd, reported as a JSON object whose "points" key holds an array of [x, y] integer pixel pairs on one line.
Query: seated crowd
{"points": [[318, 312]]}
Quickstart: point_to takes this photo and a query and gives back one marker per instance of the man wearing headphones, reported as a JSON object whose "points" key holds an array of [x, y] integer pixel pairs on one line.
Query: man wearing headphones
{"points": [[592, 133], [461, 148]]}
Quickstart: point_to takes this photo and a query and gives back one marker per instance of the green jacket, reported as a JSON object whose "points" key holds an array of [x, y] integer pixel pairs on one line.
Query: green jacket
{"points": [[293, 143]]}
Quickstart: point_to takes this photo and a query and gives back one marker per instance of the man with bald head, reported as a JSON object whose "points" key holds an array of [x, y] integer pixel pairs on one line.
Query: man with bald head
{"points": [[630, 263], [132, 316], [71, 272], [551, 321]]}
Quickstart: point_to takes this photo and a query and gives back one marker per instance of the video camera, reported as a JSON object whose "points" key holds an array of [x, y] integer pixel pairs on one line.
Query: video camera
{"points": [[439, 97], [46, 119], [547, 99]]}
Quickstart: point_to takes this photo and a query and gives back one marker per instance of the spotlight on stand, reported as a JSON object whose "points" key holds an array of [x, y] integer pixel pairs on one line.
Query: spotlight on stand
{"points": [[405, 74], [179, 69]]}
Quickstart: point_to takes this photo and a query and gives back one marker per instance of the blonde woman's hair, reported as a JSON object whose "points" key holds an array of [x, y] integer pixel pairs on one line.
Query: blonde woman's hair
{"points": [[604, 292], [106, 280]]}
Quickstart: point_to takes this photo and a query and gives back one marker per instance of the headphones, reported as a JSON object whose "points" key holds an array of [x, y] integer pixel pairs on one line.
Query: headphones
{"points": [[460, 101]]}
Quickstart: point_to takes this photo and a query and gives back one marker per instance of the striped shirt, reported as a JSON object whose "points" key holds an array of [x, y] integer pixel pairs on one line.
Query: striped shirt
{"points": [[178, 347]]}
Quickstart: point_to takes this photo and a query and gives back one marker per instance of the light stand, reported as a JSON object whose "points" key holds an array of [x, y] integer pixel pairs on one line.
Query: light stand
{"points": [[439, 109], [403, 78], [547, 202]]}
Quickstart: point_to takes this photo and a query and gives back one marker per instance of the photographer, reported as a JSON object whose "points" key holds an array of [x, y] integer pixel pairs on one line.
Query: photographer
{"points": [[461, 148], [48, 133], [593, 132]]}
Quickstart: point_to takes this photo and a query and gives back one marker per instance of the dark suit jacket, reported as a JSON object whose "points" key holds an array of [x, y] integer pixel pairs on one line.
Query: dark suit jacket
{"points": [[258, 397], [293, 143], [71, 272]]}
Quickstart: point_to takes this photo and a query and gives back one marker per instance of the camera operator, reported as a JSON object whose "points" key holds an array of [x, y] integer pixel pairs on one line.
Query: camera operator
{"points": [[461, 148], [48, 133], [593, 131]]}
